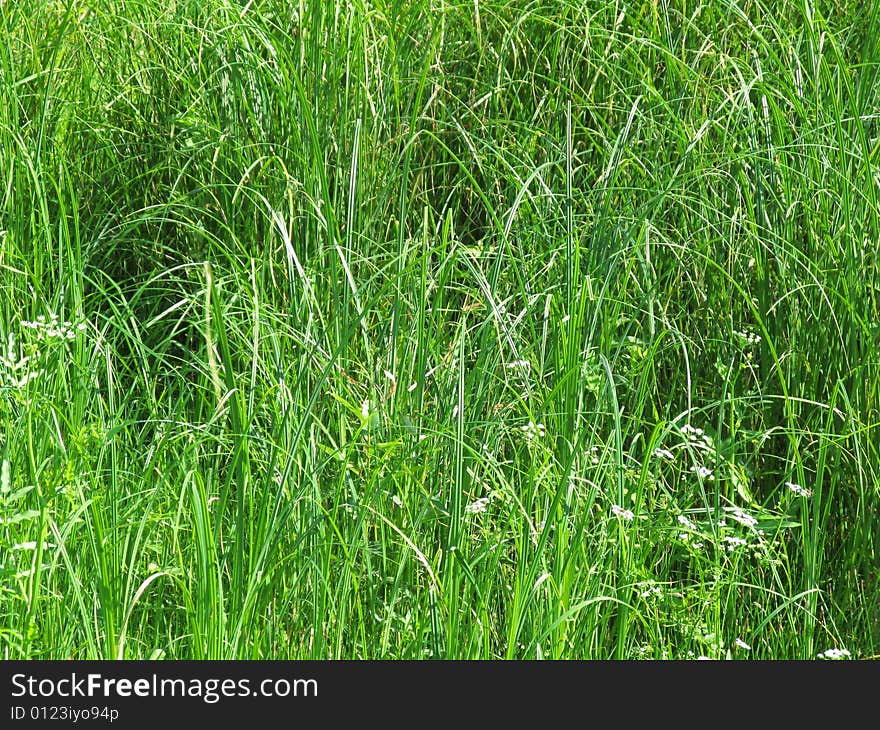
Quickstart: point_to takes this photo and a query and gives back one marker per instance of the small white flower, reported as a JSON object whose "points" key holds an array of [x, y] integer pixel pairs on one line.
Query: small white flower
{"points": [[624, 514], [519, 365], [743, 518], [663, 454], [798, 489], [475, 508], [702, 472], [533, 430], [686, 522], [692, 433], [697, 437], [834, 654], [747, 338], [53, 328], [734, 542]]}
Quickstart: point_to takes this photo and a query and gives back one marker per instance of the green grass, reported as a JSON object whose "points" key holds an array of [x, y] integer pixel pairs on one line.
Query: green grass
{"points": [[439, 329]]}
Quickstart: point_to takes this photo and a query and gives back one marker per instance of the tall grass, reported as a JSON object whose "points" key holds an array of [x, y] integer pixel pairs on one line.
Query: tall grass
{"points": [[439, 329]]}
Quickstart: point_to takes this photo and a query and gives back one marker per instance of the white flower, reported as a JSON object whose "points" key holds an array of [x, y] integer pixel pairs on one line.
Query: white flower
{"points": [[518, 364], [834, 654], [20, 369], [747, 338], [663, 454], [692, 433], [687, 523], [738, 515], [624, 514], [53, 328], [798, 489], [533, 430], [702, 472], [733, 542], [480, 505], [697, 437]]}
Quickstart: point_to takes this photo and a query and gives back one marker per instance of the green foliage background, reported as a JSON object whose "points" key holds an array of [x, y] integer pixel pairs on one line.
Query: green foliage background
{"points": [[386, 329]]}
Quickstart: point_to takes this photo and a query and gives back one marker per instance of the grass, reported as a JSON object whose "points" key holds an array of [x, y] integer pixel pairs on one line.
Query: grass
{"points": [[439, 329]]}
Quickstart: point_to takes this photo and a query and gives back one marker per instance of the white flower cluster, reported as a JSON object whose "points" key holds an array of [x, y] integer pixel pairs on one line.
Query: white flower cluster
{"points": [[695, 435], [745, 519], [52, 328], [533, 430], [747, 338], [18, 370], [798, 489], [624, 514], [835, 654], [689, 537], [478, 506], [696, 538], [732, 543], [697, 439], [702, 472]]}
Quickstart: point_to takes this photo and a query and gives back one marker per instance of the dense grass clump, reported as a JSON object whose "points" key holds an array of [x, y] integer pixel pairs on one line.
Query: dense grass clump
{"points": [[439, 329]]}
